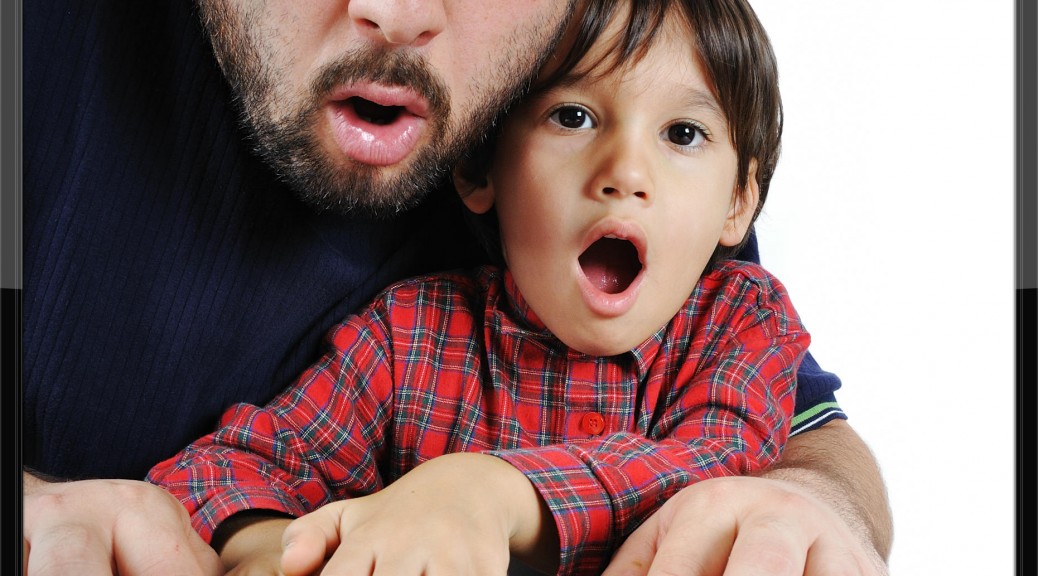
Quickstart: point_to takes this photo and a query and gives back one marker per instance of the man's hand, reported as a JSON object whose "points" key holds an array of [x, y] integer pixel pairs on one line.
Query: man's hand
{"points": [[109, 527], [744, 526], [821, 510]]}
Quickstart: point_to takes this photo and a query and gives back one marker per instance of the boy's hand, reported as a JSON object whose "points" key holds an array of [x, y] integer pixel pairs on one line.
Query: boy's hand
{"points": [[454, 515]]}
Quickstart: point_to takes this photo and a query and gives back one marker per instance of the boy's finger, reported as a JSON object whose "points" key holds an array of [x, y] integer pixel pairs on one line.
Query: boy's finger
{"points": [[309, 540]]}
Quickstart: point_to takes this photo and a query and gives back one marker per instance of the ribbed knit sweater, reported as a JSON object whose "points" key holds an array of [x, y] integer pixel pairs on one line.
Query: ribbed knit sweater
{"points": [[167, 272]]}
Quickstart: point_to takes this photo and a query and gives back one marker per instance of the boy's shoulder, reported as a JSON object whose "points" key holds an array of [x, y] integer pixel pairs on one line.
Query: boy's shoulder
{"points": [[739, 281], [736, 294], [731, 270]]}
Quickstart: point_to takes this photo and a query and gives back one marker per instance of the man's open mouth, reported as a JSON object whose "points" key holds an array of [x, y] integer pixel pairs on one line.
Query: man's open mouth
{"points": [[611, 264], [374, 113], [377, 125]]}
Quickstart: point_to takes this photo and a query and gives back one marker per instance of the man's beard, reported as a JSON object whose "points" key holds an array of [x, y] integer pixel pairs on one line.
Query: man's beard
{"points": [[290, 144], [284, 132]]}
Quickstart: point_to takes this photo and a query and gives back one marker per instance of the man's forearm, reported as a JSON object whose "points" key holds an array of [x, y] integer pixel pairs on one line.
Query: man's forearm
{"points": [[835, 465]]}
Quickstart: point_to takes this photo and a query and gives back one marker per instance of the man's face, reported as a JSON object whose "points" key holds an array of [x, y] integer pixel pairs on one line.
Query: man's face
{"points": [[363, 103]]}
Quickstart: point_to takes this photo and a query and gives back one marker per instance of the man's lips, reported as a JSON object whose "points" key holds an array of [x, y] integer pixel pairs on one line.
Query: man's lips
{"points": [[376, 124]]}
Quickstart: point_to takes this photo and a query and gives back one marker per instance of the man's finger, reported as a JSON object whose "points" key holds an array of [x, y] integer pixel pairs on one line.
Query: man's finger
{"points": [[695, 545], [172, 547], [68, 549], [689, 544], [769, 547], [635, 555], [828, 556]]}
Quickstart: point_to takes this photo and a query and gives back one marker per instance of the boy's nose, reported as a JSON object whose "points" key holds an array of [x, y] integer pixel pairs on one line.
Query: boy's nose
{"points": [[624, 170], [402, 22]]}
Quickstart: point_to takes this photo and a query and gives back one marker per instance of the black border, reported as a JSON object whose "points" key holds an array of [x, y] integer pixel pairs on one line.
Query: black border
{"points": [[1026, 281], [1026, 261], [11, 279]]}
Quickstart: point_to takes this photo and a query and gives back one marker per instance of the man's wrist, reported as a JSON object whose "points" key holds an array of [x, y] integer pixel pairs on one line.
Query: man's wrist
{"points": [[820, 487], [33, 480]]}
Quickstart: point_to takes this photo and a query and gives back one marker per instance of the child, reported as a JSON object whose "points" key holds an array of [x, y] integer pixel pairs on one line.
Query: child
{"points": [[544, 409]]}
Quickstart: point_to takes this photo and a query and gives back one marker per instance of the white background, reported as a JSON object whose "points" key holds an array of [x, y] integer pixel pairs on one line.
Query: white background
{"points": [[890, 221]]}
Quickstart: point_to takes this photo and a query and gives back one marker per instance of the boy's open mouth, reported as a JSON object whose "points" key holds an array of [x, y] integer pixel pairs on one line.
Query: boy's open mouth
{"points": [[611, 264]]}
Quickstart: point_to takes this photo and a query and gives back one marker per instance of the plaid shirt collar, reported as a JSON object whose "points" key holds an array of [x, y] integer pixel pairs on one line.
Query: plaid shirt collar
{"points": [[509, 313]]}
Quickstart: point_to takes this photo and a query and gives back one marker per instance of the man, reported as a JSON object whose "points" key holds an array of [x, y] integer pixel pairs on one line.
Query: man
{"points": [[178, 261]]}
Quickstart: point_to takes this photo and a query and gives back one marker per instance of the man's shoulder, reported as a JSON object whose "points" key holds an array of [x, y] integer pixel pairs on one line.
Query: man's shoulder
{"points": [[739, 273], [459, 288]]}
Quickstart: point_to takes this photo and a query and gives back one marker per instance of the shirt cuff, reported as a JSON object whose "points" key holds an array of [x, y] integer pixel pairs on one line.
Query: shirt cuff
{"points": [[578, 501]]}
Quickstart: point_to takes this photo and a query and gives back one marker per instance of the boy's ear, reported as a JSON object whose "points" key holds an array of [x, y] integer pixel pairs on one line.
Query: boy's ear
{"points": [[478, 197], [741, 212]]}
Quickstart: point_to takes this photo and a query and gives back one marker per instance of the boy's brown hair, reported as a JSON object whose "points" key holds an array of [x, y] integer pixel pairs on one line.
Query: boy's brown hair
{"points": [[738, 60]]}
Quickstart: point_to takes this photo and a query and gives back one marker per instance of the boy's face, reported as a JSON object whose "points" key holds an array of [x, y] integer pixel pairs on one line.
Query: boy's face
{"points": [[362, 103], [612, 193]]}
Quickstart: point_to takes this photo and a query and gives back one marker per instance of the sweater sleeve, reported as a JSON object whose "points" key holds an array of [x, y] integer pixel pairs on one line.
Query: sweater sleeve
{"points": [[726, 414], [318, 440], [816, 387]]}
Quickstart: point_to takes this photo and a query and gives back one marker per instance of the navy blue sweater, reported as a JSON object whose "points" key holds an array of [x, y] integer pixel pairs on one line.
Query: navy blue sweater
{"points": [[167, 272]]}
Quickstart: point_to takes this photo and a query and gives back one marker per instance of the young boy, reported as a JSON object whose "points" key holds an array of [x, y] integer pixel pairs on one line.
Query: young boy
{"points": [[546, 408]]}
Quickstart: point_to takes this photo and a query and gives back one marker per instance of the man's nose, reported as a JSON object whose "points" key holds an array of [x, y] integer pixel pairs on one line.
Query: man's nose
{"points": [[403, 22], [623, 169]]}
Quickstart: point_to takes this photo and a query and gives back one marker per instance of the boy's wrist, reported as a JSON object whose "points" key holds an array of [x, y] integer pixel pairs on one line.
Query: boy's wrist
{"points": [[532, 534]]}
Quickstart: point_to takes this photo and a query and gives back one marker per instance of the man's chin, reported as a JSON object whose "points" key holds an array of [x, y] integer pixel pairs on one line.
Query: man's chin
{"points": [[359, 189]]}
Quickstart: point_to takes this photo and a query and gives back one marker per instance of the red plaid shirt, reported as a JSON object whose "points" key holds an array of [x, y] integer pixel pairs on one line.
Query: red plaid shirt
{"points": [[455, 362]]}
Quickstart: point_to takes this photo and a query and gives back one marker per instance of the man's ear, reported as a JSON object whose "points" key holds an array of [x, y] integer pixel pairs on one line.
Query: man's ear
{"points": [[741, 212], [478, 197]]}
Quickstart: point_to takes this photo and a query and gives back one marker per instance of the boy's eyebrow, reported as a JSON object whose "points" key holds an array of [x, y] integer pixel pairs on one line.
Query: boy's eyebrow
{"points": [[568, 80], [696, 98]]}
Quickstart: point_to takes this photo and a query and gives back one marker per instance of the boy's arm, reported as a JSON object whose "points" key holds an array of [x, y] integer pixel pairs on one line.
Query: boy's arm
{"points": [[316, 441], [460, 514]]}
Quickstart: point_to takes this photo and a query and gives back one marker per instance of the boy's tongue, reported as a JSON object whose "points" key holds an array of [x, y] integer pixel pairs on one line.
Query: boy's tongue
{"points": [[610, 264]]}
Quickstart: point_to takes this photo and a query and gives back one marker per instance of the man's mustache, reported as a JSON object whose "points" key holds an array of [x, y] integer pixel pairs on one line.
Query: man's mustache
{"points": [[393, 68]]}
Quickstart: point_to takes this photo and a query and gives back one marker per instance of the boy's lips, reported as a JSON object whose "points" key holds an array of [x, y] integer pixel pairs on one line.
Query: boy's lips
{"points": [[376, 124], [611, 265]]}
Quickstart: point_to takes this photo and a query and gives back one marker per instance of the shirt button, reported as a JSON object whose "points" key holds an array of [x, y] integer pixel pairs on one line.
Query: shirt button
{"points": [[593, 423]]}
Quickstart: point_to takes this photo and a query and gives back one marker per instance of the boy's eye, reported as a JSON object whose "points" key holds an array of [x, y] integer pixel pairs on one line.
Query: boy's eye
{"points": [[684, 134], [571, 117]]}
